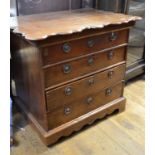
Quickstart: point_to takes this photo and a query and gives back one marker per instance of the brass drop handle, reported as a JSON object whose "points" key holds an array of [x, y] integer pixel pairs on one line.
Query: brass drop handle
{"points": [[113, 36], [68, 91], [110, 74], [108, 91], [89, 100], [90, 43], [67, 110], [90, 60], [66, 68], [66, 48], [110, 55]]}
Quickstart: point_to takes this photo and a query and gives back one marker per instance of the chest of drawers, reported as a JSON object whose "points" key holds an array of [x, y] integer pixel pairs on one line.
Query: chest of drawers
{"points": [[69, 68]]}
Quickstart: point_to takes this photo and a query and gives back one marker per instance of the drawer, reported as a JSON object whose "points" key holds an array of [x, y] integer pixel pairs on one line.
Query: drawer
{"points": [[62, 73], [84, 105], [65, 94], [75, 48]]}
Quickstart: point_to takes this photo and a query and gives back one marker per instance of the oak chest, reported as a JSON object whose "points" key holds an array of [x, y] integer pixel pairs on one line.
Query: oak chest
{"points": [[69, 68]]}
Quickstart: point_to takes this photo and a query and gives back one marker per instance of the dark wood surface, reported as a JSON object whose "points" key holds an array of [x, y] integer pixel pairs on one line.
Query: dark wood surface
{"points": [[52, 136], [57, 97], [41, 26], [128, 127], [28, 76], [83, 46], [56, 75], [81, 35], [81, 106], [40, 81]]}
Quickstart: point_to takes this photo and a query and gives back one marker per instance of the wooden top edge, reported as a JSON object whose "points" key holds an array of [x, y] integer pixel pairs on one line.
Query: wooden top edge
{"points": [[41, 26]]}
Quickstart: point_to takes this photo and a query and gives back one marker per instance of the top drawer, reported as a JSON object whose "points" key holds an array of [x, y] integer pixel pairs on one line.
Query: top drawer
{"points": [[75, 48]]}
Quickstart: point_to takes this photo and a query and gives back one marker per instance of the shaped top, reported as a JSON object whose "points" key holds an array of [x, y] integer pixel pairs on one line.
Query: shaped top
{"points": [[40, 26]]}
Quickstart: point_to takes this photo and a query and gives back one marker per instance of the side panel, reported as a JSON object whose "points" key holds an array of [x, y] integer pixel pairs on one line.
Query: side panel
{"points": [[28, 78]]}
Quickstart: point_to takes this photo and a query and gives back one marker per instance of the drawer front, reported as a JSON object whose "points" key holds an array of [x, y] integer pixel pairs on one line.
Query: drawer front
{"points": [[71, 49], [84, 105], [72, 92], [64, 72]]}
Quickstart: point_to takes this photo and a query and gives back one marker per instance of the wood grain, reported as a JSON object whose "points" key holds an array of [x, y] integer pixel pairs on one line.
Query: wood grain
{"points": [[41, 26], [80, 106], [56, 98], [27, 72], [81, 47], [34, 74], [101, 138], [55, 75]]}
